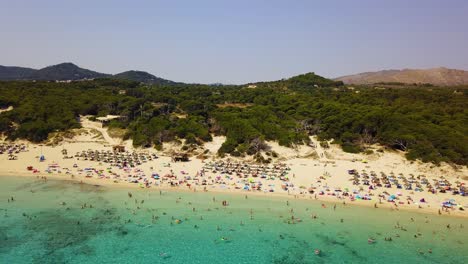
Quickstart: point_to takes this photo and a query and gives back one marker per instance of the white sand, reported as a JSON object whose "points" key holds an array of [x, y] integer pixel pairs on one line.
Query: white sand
{"points": [[327, 169]]}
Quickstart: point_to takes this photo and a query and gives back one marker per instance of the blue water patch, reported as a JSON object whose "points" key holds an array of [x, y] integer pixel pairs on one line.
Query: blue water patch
{"points": [[68, 222]]}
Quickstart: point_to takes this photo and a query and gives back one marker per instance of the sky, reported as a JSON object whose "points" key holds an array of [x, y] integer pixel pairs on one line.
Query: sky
{"points": [[237, 41]]}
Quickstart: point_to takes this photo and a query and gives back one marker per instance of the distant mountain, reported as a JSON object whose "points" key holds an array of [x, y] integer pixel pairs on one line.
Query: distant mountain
{"points": [[65, 71], [141, 76], [69, 71], [437, 76], [14, 73]]}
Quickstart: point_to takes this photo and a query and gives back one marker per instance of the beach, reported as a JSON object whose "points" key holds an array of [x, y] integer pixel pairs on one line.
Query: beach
{"points": [[309, 173]]}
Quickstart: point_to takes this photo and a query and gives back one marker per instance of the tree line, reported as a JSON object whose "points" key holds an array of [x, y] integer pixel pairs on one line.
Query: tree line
{"points": [[428, 123]]}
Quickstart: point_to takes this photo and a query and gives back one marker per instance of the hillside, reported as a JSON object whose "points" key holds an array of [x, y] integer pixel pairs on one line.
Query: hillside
{"points": [[141, 76], [425, 124], [302, 81], [70, 71], [14, 73], [436, 76], [65, 71]]}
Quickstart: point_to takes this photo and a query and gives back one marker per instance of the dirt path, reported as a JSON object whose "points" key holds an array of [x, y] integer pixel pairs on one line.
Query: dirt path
{"points": [[319, 149], [6, 109], [86, 123]]}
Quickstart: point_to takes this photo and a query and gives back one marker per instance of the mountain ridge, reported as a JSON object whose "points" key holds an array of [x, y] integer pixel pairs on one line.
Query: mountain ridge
{"points": [[437, 76], [13, 72], [69, 71], [65, 71]]}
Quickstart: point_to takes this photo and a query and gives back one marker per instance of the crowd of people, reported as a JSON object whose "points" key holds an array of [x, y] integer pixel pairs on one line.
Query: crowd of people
{"points": [[12, 149]]}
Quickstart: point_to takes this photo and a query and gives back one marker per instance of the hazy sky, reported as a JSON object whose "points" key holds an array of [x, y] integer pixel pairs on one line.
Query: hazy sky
{"points": [[235, 41]]}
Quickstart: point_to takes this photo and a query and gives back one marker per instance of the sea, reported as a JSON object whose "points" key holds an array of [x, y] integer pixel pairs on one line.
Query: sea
{"points": [[63, 221]]}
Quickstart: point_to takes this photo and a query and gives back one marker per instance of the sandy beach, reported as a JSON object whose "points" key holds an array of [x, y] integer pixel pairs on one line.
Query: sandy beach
{"points": [[302, 173]]}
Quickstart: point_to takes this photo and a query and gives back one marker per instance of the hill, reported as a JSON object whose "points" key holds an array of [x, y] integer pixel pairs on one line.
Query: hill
{"points": [[311, 79], [302, 81], [70, 71], [14, 73], [141, 76], [436, 76], [65, 71]]}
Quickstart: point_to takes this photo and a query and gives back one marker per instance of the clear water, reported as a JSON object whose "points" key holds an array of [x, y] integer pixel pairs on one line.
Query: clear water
{"points": [[38, 228]]}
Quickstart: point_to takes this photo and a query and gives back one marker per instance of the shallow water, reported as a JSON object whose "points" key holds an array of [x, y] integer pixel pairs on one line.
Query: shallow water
{"points": [[38, 228]]}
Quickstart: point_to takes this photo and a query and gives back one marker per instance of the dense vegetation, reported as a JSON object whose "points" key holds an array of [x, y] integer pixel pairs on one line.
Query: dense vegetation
{"points": [[431, 124], [142, 77]]}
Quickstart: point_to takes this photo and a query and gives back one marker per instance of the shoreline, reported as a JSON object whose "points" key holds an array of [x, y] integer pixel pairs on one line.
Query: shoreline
{"points": [[107, 183]]}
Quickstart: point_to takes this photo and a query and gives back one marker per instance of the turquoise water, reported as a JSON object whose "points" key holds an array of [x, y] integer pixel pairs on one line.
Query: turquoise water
{"points": [[46, 224]]}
